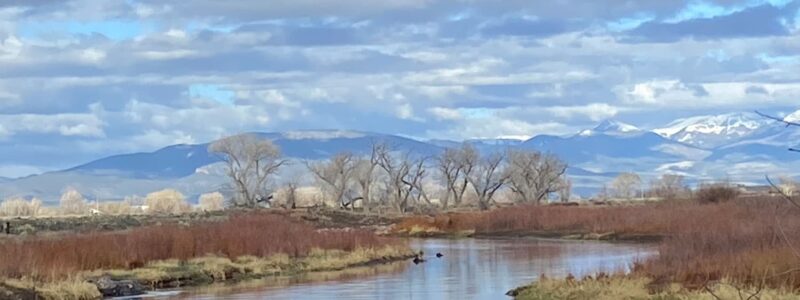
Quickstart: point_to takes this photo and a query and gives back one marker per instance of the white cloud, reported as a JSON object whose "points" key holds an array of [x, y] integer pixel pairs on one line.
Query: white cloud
{"points": [[593, 111], [166, 55], [92, 55], [80, 125], [308, 64], [404, 111], [444, 113], [676, 94], [10, 47]]}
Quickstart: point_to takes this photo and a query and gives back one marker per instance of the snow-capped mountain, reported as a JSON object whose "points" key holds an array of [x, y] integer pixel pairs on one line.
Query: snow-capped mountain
{"points": [[742, 147], [714, 130], [611, 127]]}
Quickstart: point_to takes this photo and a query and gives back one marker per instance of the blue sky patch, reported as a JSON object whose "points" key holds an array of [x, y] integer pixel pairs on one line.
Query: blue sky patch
{"points": [[211, 91], [112, 29]]}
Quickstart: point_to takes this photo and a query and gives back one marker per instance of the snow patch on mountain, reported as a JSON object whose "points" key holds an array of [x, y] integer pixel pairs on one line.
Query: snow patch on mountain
{"points": [[713, 130], [684, 151], [322, 134], [611, 127]]}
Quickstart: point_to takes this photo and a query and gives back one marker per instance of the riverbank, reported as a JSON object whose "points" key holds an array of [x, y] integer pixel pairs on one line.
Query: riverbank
{"points": [[605, 287], [243, 246], [319, 217], [173, 273], [745, 241]]}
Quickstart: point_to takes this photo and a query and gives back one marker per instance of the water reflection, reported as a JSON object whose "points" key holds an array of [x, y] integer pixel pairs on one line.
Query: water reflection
{"points": [[470, 269]]}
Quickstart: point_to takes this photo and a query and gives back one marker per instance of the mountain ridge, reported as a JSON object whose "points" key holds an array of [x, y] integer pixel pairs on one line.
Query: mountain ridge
{"points": [[594, 156]]}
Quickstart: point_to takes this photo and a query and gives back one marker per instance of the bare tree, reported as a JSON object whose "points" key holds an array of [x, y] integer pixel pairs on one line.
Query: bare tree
{"points": [[212, 201], [416, 180], [337, 173], [487, 178], [565, 193], [73, 203], [449, 167], [250, 162], [291, 195], [167, 201], [533, 176], [626, 185], [404, 178], [365, 175], [668, 186], [788, 185], [455, 166]]}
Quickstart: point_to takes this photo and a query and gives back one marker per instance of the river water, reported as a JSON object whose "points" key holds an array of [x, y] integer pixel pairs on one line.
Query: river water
{"points": [[470, 269]]}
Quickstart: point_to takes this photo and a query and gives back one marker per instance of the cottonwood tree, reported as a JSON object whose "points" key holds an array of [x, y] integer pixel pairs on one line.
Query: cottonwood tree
{"points": [[565, 193], [365, 175], [337, 174], [212, 201], [166, 201], [533, 176], [73, 203], [250, 162], [404, 175], [416, 180], [455, 166], [788, 185], [668, 186], [487, 178], [18, 207], [626, 185]]}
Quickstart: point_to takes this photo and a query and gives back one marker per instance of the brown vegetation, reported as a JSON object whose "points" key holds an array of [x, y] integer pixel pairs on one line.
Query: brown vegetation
{"points": [[746, 240], [716, 193], [257, 234]]}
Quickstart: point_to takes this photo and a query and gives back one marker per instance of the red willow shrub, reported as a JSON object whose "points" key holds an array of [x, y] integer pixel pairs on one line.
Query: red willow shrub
{"points": [[749, 242], [743, 240], [259, 234], [650, 219]]}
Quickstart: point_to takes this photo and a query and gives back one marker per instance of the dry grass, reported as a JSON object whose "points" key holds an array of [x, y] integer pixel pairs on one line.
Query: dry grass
{"points": [[252, 234], [67, 289], [217, 269], [624, 287]]}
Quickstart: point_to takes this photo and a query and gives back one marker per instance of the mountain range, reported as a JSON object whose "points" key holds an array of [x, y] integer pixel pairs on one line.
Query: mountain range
{"points": [[741, 147]]}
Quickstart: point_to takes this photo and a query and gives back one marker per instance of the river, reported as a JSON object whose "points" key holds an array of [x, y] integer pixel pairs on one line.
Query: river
{"points": [[469, 269]]}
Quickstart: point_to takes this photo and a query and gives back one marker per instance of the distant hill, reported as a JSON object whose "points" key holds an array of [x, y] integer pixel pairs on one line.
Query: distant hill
{"points": [[733, 146], [183, 160]]}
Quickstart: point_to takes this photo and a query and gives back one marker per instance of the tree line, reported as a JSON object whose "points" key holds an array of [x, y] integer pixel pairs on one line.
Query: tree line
{"points": [[402, 181]]}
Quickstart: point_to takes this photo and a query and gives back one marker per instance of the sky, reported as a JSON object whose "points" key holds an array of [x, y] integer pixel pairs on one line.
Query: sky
{"points": [[83, 79]]}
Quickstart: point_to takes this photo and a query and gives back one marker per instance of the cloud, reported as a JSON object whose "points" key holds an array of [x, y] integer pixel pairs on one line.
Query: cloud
{"points": [[78, 125], [171, 71], [525, 27], [757, 21], [737, 95], [593, 111], [444, 113]]}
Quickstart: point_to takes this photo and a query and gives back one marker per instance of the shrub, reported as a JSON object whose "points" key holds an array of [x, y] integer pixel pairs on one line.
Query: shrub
{"points": [[716, 193], [73, 203], [116, 208], [166, 201], [212, 201], [257, 234], [18, 207]]}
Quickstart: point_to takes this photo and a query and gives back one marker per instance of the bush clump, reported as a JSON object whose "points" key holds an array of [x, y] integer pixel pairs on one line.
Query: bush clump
{"points": [[716, 193]]}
